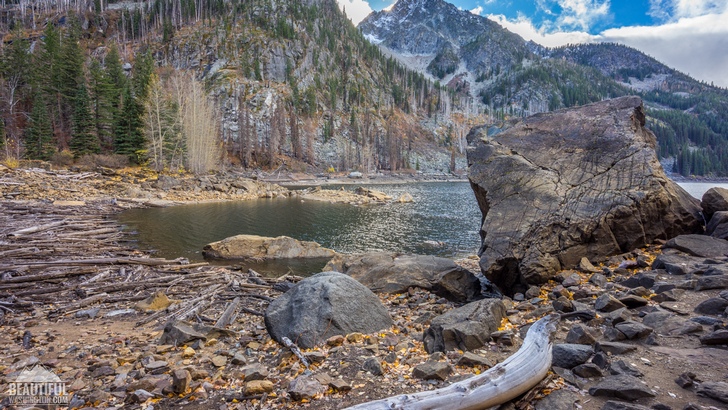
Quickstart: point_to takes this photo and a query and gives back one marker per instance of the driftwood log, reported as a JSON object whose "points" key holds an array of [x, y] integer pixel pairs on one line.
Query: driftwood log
{"points": [[500, 384]]}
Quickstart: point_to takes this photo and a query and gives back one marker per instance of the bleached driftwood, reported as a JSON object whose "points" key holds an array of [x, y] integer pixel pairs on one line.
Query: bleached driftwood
{"points": [[500, 384]]}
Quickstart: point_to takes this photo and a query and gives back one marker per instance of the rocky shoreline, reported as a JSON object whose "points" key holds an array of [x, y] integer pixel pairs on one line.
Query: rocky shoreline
{"points": [[631, 326]]}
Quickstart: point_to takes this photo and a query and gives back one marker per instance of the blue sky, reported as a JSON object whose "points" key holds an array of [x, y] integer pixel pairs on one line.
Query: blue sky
{"points": [[690, 35]]}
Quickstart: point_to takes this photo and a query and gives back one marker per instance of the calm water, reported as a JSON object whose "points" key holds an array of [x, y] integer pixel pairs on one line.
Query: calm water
{"points": [[697, 189], [442, 212]]}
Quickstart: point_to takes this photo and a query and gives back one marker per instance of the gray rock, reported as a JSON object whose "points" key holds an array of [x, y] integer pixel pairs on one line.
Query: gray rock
{"points": [[633, 301], [714, 200], [677, 264], [262, 247], [707, 320], [432, 371], [615, 348], [617, 316], [392, 273], [89, 313], [587, 370], [685, 380], [563, 304], [558, 180], [621, 386], [714, 390], [568, 355], [305, 387], [644, 279], [572, 280], [372, 366], [622, 367], [580, 334], [178, 333], [340, 385], [719, 337], [254, 371], [607, 303], [612, 335], [712, 282], [633, 330], [324, 305], [470, 359], [657, 319], [558, 400], [570, 377], [181, 379], [598, 279], [139, 396], [712, 306], [699, 245], [718, 225], [620, 405], [466, 328]]}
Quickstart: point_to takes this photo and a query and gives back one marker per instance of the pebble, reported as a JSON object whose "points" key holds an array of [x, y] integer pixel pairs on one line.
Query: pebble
{"points": [[432, 371], [305, 387], [188, 353], [372, 366], [471, 359], [219, 361], [255, 387], [181, 379], [621, 386]]}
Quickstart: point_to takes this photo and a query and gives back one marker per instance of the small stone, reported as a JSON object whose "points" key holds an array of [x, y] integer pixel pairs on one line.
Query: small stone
{"points": [[139, 396], [714, 390], [612, 335], [155, 302], [304, 387], [255, 387], [587, 370], [617, 316], [598, 279], [372, 366], [620, 405], [712, 306], [572, 280], [470, 359], [633, 330], [563, 304], [432, 371], [569, 355], [188, 353], [391, 357], [103, 371], [355, 338], [315, 356], [600, 359], [238, 359], [607, 303], [340, 385], [89, 313], [181, 379], [581, 334], [633, 301], [98, 396], [336, 340], [685, 380], [622, 367], [156, 365], [615, 348], [255, 372], [677, 307], [177, 333], [219, 361], [586, 266], [533, 292], [719, 337], [621, 386]]}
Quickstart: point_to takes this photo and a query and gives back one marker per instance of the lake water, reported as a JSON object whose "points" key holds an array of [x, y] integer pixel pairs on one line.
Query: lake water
{"points": [[445, 214], [444, 221]]}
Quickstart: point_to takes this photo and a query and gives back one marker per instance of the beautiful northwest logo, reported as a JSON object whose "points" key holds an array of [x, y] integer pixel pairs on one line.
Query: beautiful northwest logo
{"points": [[37, 385]]}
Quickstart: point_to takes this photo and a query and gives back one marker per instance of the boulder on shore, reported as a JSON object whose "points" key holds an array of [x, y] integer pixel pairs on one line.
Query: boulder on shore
{"points": [[263, 247], [325, 305], [385, 272], [466, 328], [714, 200], [579, 182]]}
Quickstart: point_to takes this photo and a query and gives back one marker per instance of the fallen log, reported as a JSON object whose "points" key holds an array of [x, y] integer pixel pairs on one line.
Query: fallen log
{"points": [[37, 228], [500, 384], [228, 316]]}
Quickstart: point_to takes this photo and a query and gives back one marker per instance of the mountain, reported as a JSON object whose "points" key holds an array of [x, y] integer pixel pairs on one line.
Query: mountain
{"points": [[506, 76]]}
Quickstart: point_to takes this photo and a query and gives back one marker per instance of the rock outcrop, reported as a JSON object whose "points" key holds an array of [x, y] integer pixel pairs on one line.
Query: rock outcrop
{"points": [[581, 182], [384, 272], [263, 247], [325, 305], [466, 328]]}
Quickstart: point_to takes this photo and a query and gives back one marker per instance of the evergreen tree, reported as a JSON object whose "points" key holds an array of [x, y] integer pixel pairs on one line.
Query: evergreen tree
{"points": [[102, 96], [48, 72], [3, 138], [39, 134], [129, 126], [83, 140], [117, 80]]}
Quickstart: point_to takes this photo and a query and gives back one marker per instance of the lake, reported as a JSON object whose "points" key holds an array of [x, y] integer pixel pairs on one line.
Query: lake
{"points": [[444, 221]]}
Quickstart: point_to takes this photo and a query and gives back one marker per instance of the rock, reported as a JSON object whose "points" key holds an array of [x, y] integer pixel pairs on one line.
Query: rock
{"points": [[711, 282], [371, 193], [372, 366], [699, 245], [719, 337], [718, 225], [714, 390], [621, 386], [620, 405], [617, 316], [188, 353], [219, 361], [597, 279], [466, 328], [392, 273], [586, 266], [712, 306], [315, 356], [262, 247], [558, 400], [587, 370], [615, 348], [622, 367], [340, 385], [644, 279], [685, 380], [89, 313], [155, 365], [139, 396], [580, 182], [563, 304], [568, 355], [714, 200], [254, 371], [572, 280], [633, 301], [633, 330], [324, 305], [181, 379], [405, 198], [155, 302], [607, 303], [470, 359], [178, 333], [305, 387], [336, 340], [580, 334], [255, 387], [98, 396], [432, 371]]}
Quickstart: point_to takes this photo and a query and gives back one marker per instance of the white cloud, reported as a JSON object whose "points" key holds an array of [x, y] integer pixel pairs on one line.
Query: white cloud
{"points": [[693, 45], [581, 13], [477, 11], [356, 10]]}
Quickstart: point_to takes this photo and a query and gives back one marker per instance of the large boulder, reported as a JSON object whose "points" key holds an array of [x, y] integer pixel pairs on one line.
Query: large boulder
{"points": [[384, 272], [325, 305], [263, 247], [580, 182], [466, 328], [699, 245], [714, 200]]}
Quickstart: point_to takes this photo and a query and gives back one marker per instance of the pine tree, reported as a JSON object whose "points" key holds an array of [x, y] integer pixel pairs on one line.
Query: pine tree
{"points": [[117, 80], [129, 126], [3, 138], [102, 95], [39, 134], [83, 140]]}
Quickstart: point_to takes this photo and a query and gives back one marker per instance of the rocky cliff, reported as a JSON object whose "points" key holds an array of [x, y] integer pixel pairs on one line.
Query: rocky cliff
{"points": [[581, 182]]}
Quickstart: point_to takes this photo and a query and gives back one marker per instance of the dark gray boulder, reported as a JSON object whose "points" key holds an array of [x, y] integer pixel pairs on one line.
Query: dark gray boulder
{"points": [[384, 272], [714, 200], [568, 356], [466, 328], [712, 306], [714, 390], [699, 245], [324, 305], [718, 225], [621, 386], [580, 182]]}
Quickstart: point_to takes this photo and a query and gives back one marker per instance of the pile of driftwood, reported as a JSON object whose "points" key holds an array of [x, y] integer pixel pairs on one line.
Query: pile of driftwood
{"points": [[65, 259]]}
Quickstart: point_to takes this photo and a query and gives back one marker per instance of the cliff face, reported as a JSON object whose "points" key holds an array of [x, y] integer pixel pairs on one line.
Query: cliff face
{"points": [[582, 182]]}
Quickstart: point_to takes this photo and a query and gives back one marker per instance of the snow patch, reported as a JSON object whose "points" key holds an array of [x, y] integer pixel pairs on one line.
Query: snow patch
{"points": [[650, 82], [373, 39]]}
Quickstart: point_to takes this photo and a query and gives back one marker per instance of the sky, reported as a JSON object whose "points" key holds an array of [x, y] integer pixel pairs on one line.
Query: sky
{"points": [[689, 35]]}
